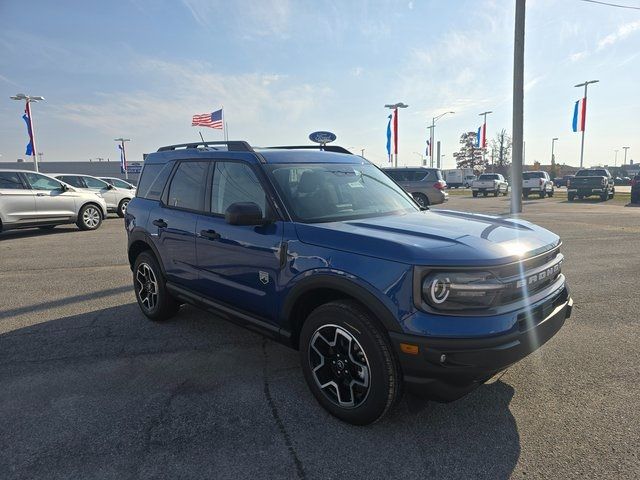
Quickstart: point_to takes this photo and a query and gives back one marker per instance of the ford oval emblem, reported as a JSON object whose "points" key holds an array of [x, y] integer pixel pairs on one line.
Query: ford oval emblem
{"points": [[322, 137]]}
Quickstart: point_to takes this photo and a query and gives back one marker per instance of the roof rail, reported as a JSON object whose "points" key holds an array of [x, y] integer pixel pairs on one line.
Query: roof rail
{"points": [[232, 146], [328, 148]]}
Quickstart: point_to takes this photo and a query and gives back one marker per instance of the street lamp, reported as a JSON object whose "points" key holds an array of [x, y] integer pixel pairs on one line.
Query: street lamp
{"points": [[32, 136], [553, 142], [395, 108], [123, 156], [585, 85], [432, 135], [625, 154]]}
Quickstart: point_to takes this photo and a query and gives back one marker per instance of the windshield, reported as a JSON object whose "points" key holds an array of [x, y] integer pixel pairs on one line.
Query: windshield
{"points": [[591, 173], [529, 175], [330, 192]]}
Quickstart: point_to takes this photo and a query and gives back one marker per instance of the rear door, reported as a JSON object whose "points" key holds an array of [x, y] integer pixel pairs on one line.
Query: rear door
{"points": [[173, 221], [17, 201], [239, 264], [53, 203]]}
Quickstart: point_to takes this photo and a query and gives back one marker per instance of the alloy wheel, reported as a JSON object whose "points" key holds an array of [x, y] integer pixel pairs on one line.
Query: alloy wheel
{"points": [[91, 217], [339, 366], [147, 286]]}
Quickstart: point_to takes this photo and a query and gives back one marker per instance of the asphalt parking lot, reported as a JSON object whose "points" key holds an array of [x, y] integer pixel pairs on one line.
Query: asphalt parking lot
{"points": [[91, 389]]}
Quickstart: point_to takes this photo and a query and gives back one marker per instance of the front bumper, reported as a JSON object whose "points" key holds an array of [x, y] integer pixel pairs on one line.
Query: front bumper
{"points": [[445, 369]]}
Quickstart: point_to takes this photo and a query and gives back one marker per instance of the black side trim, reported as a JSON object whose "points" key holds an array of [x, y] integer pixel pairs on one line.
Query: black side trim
{"points": [[352, 289], [143, 236], [231, 314]]}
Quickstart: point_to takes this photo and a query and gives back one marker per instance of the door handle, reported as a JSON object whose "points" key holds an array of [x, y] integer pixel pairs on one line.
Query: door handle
{"points": [[41, 194], [160, 223], [210, 234]]}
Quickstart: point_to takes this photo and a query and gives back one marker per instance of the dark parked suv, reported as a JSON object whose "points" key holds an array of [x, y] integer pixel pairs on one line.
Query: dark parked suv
{"points": [[320, 250]]}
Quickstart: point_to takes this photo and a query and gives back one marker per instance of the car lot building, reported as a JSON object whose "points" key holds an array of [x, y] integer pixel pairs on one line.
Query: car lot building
{"points": [[95, 169]]}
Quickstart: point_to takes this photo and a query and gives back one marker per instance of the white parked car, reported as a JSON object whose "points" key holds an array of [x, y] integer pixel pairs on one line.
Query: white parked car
{"points": [[490, 183], [118, 182], [537, 182], [117, 198], [30, 199]]}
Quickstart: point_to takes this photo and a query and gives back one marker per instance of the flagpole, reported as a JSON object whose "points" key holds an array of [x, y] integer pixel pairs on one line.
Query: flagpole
{"points": [[34, 152], [584, 120], [224, 125]]}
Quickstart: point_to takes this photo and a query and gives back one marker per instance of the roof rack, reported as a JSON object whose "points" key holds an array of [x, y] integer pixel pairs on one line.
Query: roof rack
{"points": [[232, 146], [328, 148]]}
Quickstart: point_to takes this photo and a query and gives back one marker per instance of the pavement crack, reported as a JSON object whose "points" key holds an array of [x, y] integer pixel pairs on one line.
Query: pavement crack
{"points": [[276, 415]]}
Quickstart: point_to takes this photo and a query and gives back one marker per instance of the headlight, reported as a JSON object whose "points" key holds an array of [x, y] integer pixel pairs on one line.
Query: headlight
{"points": [[460, 290]]}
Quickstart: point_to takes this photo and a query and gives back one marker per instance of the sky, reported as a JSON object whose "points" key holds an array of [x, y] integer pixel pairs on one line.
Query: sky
{"points": [[283, 69]]}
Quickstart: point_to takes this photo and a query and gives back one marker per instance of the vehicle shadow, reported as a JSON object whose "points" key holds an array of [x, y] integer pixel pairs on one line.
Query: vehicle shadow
{"points": [[109, 394], [37, 232]]}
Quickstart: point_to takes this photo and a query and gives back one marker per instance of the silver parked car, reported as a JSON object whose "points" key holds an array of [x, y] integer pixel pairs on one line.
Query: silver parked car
{"points": [[118, 182], [117, 198], [30, 199], [426, 185]]}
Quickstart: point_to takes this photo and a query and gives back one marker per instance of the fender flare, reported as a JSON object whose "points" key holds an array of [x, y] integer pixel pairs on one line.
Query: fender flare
{"points": [[144, 237], [342, 284]]}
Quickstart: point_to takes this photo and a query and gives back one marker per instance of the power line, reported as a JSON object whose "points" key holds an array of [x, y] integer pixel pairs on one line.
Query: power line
{"points": [[611, 4]]}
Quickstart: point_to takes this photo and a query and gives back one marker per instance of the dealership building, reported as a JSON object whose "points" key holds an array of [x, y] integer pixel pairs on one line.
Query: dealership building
{"points": [[95, 169]]}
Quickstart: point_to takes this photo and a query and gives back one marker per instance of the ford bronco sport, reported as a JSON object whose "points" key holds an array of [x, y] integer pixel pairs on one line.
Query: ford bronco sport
{"points": [[320, 250]]}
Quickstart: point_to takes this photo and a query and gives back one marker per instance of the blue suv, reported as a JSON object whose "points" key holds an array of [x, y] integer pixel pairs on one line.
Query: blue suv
{"points": [[320, 250]]}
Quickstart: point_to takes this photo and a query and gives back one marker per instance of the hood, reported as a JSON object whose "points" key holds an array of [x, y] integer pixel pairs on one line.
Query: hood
{"points": [[437, 238]]}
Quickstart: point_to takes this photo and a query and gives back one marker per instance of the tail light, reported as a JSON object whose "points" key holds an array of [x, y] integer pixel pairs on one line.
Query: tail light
{"points": [[440, 185], [542, 181]]}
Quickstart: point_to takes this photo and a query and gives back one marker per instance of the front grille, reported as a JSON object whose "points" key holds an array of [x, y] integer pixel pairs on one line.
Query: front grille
{"points": [[532, 318]]}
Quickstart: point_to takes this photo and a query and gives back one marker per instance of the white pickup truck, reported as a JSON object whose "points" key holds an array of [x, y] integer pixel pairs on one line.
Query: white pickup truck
{"points": [[537, 182], [490, 183]]}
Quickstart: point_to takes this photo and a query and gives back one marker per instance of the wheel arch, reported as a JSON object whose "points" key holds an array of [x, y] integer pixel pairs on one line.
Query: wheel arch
{"points": [[317, 290], [139, 242], [95, 204]]}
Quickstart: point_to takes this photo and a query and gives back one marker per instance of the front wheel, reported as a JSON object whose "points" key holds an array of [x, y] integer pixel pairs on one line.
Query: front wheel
{"points": [[496, 192], [151, 292], [542, 193], [475, 194], [348, 363], [122, 207], [89, 217], [421, 199], [571, 197], [551, 193]]}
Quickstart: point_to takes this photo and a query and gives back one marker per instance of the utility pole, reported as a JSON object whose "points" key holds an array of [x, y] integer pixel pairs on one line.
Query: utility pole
{"points": [[518, 107], [29, 99], [625, 154], [584, 127]]}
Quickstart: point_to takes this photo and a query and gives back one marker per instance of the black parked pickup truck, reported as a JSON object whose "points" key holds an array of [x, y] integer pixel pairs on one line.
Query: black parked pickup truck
{"points": [[591, 181]]}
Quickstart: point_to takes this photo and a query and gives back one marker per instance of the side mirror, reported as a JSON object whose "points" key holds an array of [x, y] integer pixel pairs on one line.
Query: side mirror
{"points": [[244, 213], [64, 187], [109, 186]]}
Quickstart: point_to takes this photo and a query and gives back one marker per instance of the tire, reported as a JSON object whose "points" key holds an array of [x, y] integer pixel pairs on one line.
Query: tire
{"points": [[551, 193], [343, 331], [475, 194], [604, 197], [122, 207], [612, 194], [151, 291], [542, 193], [496, 192], [571, 197], [89, 217], [485, 194], [421, 199]]}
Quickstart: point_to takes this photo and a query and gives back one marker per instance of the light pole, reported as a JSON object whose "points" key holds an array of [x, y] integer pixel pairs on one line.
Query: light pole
{"points": [[518, 108], [432, 135], [615, 159], [625, 154], [395, 108], [585, 85], [27, 110], [553, 142], [123, 156]]}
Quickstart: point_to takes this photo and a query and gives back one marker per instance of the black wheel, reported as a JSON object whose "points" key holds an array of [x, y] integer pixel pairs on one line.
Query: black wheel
{"points": [[485, 194], [475, 194], [421, 199], [47, 227], [122, 207], [612, 194], [506, 191], [89, 217], [604, 197], [151, 291], [542, 193], [496, 192], [348, 363], [570, 197], [551, 193]]}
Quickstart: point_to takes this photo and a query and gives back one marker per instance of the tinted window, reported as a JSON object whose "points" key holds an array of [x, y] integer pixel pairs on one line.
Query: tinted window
{"points": [[235, 182], [187, 186], [72, 180], [94, 182], [152, 180], [489, 176], [396, 175], [10, 180], [529, 175], [40, 182], [119, 183]]}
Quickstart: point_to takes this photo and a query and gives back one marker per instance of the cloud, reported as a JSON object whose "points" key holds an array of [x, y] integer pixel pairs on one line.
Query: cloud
{"points": [[576, 57], [410, 5], [622, 32], [357, 71]]}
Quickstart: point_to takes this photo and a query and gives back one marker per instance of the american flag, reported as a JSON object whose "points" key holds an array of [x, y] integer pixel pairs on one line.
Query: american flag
{"points": [[211, 120]]}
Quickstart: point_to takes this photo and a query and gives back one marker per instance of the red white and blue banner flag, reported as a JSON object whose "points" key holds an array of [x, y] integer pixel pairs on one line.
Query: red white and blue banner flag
{"points": [[481, 136], [27, 120], [389, 138], [123, 160], [428, 149], [579, 115]]}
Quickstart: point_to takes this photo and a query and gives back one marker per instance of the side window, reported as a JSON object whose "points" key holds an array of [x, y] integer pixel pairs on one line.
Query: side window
{"points": [[72, 180], [120, 184], [94, 182], [187, 186], [235, 182], [10, 180], [393, 174], [152, 181], [40, 182]]}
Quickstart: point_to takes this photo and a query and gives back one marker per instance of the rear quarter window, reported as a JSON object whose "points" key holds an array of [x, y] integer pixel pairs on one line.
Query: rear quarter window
{"points": [[152, 180]]}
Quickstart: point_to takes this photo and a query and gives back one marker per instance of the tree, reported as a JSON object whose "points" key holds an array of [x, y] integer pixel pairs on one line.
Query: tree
{"points": [[501, 152], [469, 155]]}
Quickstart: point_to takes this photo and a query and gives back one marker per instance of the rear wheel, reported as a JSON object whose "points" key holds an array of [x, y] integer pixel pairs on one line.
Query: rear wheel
{"points": [[604, 197], [542, 193], [475, 194], [89, 217], [496, 192], [571, 197], [122, 207], [151, 292], [485, 194], [421, 199], [551, 193], [348, 363]]}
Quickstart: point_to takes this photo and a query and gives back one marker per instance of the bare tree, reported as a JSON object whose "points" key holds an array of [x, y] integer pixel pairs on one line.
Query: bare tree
{"points": [[501, 152]]}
